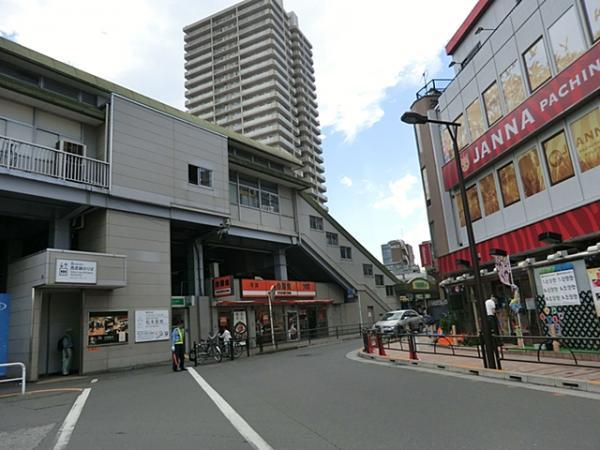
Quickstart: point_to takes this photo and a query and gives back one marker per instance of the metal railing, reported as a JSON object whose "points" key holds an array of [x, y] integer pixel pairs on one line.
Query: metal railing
{"points": [[33, 158], [21, 378], [554, 350], [433, 87]]}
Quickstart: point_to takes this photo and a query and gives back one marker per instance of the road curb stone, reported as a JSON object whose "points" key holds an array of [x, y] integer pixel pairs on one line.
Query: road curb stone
{"points": [[516, 377]]}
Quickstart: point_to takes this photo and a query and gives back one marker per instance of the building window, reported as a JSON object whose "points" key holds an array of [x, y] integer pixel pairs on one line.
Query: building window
{"points": [[536, 62], [508, 185], [269, 197], [316, 223], [368, 270], [491, 102], [332, 238], [531, 173], [475, 119], [447, 148], [566, 39], [461, 132], [512, 86], [345, 252], [199, 176], [586, 134], [459, 209], [426, 186], [389, 291], [558, 158], [487, 187], [473, 199], [249, 192], [378, 280], [592, 10]]}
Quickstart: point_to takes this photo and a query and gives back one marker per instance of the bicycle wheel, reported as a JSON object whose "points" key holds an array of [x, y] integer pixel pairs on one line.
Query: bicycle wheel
{"points": [[238, 349], [193, 356], [216, 354]]}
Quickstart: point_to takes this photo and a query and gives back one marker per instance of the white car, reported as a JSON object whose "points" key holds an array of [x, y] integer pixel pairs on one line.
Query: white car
{"points": [[401, 320]]}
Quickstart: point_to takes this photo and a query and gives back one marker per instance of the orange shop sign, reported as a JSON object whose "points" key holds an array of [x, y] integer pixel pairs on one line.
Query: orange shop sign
{"points": [[223, 286], [283, 288]]}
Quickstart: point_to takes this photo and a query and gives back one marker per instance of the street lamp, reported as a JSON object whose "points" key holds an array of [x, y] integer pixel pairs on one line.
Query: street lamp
{"points": [[413, 118]]}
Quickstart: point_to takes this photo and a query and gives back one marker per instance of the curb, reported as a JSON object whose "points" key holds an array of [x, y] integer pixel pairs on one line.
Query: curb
{"points": [[517, 377]]}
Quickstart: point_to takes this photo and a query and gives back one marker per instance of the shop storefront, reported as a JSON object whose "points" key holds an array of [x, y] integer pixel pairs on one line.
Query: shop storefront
{"points": [[295, 311]]}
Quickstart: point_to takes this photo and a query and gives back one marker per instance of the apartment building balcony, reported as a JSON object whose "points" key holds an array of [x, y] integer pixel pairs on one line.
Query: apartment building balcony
{"points": [[195, 99], [218, 30], [198, 80], [198, 64], [198, 44], [198, 53], [21, 158], [251, 8], [205, 112]]}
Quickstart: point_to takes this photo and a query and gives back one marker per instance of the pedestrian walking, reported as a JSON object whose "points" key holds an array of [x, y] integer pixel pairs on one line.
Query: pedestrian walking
{"points": [[177, 347], [65, 347]]}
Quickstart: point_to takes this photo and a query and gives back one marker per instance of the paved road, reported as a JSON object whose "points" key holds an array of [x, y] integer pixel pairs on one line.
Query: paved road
{"points": [[313, 398]]}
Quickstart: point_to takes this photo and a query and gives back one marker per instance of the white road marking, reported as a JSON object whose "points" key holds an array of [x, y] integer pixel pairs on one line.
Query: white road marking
{"points": [[95, 380], [25, 438], [583, 394], [67, 427], [251, 436]]}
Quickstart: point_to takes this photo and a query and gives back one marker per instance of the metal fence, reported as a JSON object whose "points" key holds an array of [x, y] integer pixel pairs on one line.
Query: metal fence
{"points": [[555, 350]]}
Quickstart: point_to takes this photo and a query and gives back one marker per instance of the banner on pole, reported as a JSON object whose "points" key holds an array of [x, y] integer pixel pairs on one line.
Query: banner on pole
{"points": [[503, 269]]}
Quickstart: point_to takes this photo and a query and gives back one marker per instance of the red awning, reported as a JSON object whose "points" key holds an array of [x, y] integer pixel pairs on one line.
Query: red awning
{"points": [[262, 302]]}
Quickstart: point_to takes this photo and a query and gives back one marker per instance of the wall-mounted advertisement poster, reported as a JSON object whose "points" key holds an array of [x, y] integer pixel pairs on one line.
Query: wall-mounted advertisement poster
{"points": [[586, 134], [531, 172], [487, 187], [151, 325], [558, 158], [559, 285], [108, 327], [594, 275], [508, 184]]}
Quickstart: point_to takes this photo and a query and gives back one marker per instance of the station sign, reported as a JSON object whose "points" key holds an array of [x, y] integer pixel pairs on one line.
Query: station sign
{"points": [[77, 272]]}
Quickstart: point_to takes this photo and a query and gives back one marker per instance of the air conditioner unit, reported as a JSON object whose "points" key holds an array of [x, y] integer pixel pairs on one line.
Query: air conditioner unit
{"points": [[72, 147]]}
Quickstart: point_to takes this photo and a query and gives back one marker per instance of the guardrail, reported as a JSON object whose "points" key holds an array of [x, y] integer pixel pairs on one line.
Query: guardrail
{"points": [[33, 158], [22, 378], [555, 350]]}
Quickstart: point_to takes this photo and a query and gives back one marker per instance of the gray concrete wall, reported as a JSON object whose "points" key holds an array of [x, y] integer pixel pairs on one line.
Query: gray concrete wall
{"points": [[150, 156], [24, 325], [146, 243]]}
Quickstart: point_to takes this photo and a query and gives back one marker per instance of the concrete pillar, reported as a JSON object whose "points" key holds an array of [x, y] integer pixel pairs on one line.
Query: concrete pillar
{"points": [[60, 234], [280, 264]]}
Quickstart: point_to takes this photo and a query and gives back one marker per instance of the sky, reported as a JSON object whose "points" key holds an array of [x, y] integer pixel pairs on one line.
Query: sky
{"points": [[370, 60]]}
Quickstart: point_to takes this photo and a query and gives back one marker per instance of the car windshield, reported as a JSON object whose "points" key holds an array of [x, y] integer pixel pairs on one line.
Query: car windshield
{"points": [[391, 316]]}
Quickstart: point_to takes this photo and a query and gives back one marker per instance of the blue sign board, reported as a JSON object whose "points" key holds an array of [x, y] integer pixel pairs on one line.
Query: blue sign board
{"points": [[4, 316]]}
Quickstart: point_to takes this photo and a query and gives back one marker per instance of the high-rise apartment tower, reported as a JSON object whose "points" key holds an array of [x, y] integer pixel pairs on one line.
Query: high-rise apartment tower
{"points": [[250, 68]]}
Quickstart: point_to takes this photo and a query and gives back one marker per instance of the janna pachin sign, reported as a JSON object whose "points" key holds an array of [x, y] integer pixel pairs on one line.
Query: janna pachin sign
{"points": [[76, 272], [576, 82]]}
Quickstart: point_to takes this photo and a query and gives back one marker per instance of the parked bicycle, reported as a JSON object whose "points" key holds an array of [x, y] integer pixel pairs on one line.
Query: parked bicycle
{"points": [[206, 349], [238, 348]]}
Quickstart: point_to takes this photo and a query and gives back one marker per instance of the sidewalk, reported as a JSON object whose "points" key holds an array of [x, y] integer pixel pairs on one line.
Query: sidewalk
{"points": [[548, 374]]}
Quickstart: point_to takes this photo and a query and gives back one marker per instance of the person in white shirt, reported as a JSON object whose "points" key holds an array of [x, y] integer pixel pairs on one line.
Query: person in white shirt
{"points": [[490, 310], [225, 335]]}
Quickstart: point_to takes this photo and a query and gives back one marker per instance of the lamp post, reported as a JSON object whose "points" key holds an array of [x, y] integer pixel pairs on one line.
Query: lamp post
{"points": [[413, 118], [271, 296]]}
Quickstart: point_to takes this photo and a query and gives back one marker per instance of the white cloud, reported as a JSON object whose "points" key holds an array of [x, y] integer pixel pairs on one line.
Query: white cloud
{"points": [[402, 198], [346, 181], [360, 49]]}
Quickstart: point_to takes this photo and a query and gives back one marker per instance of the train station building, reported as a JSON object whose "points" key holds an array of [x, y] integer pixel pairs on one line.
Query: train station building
{"points": [[120, 215]]}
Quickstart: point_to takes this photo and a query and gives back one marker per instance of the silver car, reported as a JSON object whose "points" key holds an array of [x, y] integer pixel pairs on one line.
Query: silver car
{"points": [[399, 321]]}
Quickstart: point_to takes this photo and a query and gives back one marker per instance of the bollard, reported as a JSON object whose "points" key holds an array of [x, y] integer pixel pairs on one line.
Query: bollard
{"points": [[412, 347], [367, 347], [380, 344], [260, 343], [230, 344], [248, 345]]}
